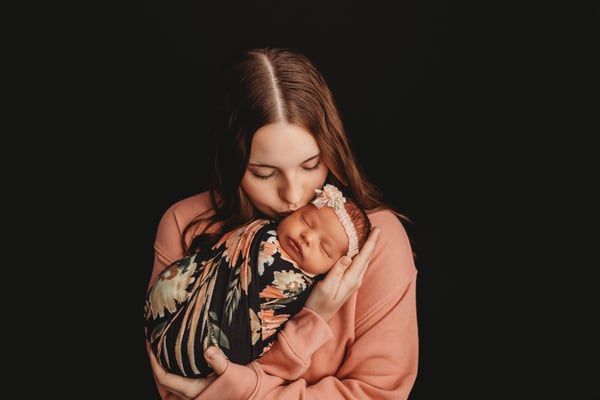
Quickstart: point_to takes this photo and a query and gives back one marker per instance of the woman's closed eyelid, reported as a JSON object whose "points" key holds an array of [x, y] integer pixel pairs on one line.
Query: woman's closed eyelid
{"points": [[263, 176], [273, 173], [316, 165]]}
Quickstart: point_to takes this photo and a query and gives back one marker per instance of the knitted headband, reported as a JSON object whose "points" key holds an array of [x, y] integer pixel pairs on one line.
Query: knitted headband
{"points": [[332, 197]]}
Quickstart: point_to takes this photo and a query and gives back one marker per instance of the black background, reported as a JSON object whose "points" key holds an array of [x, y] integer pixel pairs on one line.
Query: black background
{"points": [[390, 70], [448, 108]]}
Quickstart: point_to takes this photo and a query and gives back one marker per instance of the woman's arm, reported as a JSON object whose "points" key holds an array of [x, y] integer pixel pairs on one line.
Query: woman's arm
{"points": [[381, 361]]}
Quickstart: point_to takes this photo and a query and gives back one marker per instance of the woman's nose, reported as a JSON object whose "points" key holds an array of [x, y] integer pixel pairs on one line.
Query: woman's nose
{"points": [[291, 193]]}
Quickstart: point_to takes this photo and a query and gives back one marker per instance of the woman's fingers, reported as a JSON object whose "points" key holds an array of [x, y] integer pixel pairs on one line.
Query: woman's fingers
{"points": [[354, 274], [216, 360], [157, 369], [184, 388]]}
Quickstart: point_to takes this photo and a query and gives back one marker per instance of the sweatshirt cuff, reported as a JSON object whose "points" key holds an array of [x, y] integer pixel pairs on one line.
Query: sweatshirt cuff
{"points": [[288, 359], [237, 382], [291, 353]]}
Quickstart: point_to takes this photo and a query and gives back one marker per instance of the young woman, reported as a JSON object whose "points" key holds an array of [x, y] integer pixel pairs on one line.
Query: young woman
{"points": [[279, 138]]}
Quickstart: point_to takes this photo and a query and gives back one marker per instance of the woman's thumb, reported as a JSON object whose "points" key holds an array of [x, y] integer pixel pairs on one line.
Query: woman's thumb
{"points": [[216, 360], [344, 263]]}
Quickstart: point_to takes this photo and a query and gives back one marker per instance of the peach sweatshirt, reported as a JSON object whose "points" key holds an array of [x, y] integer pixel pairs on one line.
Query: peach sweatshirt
{"points": [[369, 349]]}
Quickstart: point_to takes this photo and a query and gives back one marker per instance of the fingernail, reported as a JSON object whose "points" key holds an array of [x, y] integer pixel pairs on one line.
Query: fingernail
{"points": [[210, 352], [345, 261]]}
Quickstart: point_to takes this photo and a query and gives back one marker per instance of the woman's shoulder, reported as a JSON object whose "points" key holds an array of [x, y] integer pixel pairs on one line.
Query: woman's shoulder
{"points": [[183, 211], [167, 243], [393, 247], [387, 221], [189, 207]]}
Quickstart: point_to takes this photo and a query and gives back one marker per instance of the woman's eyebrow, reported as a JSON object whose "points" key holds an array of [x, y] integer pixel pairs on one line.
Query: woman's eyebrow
{"points": [[260, 165], [271, 166]]}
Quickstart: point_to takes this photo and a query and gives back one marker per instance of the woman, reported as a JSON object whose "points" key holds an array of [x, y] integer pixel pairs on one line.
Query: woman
{"points": [[279, 138]]}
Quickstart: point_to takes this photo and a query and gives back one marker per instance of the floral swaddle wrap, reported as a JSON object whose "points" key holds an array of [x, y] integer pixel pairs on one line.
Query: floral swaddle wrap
{"points": [[236, 295]]}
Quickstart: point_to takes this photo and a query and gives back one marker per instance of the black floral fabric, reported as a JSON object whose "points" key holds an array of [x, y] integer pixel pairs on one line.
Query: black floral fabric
{"points": [[236, 295]]}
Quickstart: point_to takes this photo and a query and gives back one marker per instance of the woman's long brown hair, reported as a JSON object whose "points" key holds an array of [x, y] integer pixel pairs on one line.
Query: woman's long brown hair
{"points": [[264, 86]]}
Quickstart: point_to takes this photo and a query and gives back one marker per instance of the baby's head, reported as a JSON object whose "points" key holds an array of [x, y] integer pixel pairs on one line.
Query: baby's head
{"points": [[318, 234], [353, 218]]}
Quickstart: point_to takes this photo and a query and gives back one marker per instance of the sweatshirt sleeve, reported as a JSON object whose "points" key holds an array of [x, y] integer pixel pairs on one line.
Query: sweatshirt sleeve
{"points": [[304, 334], [381, 359], [287, 360]]}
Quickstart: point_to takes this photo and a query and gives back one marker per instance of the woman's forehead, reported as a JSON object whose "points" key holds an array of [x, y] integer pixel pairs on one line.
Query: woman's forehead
{"points": [[282, 144]]}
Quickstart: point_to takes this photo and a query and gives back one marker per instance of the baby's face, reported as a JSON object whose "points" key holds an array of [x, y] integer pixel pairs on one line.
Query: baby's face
{"points": [[314, 238]]}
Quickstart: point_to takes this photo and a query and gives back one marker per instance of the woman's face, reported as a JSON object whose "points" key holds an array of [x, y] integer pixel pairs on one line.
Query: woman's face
{"points": [[284, 169]]}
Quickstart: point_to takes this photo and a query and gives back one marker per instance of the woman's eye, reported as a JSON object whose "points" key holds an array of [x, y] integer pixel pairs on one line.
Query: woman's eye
{"points": [[261, 176], [313, 166]]}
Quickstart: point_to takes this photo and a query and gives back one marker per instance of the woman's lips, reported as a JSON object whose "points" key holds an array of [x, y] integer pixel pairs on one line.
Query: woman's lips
{"points": [[282, 215]]}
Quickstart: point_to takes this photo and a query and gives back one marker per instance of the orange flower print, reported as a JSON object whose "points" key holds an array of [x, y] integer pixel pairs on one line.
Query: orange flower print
{"points": [[254, 326], [267, 249], [170, 288], [271, 292], [289, 282], [270, 322]]}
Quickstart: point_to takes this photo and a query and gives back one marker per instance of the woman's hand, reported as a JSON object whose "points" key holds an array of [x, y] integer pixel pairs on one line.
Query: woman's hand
{"points": [[189, 388], [329, 294]]}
